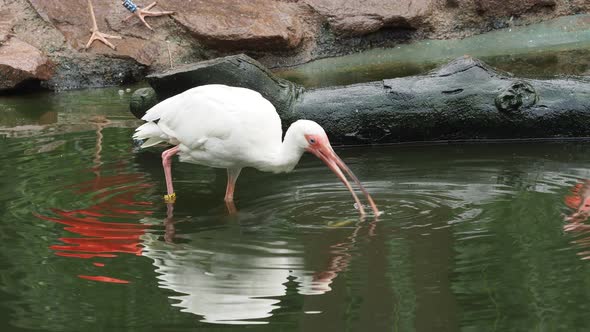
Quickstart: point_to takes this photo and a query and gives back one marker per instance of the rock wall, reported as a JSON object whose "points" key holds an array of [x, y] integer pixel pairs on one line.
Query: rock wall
{"points": [[275, 32]]}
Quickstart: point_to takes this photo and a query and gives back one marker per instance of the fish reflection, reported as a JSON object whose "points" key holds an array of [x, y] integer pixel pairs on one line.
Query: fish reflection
{"points": [[99, 232], [101, 238], [579, 200], [228, 278]]}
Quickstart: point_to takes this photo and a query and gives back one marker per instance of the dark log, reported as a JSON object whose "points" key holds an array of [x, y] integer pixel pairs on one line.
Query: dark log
{"points": [[236, 70], [463, 100], [142, 100]]}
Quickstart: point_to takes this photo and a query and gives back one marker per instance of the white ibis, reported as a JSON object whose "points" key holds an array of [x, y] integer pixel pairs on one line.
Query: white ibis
{"points": [[230, 127]]}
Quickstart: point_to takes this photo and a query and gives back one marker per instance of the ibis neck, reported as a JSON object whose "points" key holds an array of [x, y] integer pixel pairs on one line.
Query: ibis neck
{"points": [[287, 156]]}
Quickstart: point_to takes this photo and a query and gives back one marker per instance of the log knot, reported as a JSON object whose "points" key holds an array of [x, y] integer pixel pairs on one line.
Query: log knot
{"points": [[516, 97]]}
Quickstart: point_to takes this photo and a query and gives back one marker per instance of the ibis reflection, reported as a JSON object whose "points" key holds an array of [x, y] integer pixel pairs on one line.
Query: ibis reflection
{"points": [[229, 278]]}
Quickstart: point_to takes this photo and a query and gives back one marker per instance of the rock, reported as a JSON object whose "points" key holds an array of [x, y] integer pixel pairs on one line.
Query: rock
{"points": [[245, 25], [508, 7], [462, 100], [21, 63], [276, 32], [72, 19], [352, 17], [6, 25], [222, 24], [91, 70]]}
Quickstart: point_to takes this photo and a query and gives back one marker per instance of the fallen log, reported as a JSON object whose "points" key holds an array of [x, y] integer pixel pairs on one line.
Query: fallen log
{"points": [[462, 100]]}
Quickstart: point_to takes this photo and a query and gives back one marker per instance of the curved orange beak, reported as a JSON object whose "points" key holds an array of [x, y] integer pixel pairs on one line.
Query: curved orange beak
{"points": [[323, 150]]}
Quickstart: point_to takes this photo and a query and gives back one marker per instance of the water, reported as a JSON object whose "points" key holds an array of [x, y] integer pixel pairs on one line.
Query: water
{"points": [[472, 237], [557, 47]]}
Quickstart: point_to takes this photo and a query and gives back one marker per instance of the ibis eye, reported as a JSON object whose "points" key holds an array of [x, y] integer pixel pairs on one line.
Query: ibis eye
{"points": [[312, 141]]}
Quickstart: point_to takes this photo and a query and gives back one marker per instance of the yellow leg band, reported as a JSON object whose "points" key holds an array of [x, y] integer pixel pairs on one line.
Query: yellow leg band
{"points": [[170, 198]]}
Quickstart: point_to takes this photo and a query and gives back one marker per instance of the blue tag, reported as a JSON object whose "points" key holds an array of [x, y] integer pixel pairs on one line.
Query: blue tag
{"points": [[130, 6]]}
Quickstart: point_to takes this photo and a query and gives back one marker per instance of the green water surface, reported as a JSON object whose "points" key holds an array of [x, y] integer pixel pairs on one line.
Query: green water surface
{"points": [[556, 47], [472, 236]]}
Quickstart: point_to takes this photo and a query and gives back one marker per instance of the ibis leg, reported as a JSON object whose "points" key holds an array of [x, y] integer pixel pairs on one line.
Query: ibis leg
{"points": [[167, 163], [170, 230], [232, 176]]}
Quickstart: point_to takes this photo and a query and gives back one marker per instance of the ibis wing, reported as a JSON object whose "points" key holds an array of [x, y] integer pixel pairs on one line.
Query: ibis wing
{"points": [[228, 114]]}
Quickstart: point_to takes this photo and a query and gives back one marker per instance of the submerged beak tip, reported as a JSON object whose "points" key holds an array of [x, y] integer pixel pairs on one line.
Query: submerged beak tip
{"points": [[328, 156]]}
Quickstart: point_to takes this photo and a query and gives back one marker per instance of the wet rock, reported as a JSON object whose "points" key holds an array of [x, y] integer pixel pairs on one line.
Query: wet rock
{"points": [[462, 100], [22, 64], [89, 71]]}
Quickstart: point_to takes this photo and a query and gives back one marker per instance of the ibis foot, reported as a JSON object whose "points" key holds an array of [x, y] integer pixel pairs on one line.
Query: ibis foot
{"points": [[97, 35], [146, 12]]}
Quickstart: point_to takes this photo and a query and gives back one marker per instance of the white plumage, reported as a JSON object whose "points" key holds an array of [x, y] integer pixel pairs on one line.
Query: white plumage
{"points": [[216, 126], [230, 127]]}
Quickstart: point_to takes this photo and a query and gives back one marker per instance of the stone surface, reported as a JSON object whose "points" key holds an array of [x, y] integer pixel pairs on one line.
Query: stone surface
{"points": [[354, 17], [245, 25], [72, 19], [6, 24], [275, 32], [92, 71], [21, 63], [509, 7], [223, 24]]}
